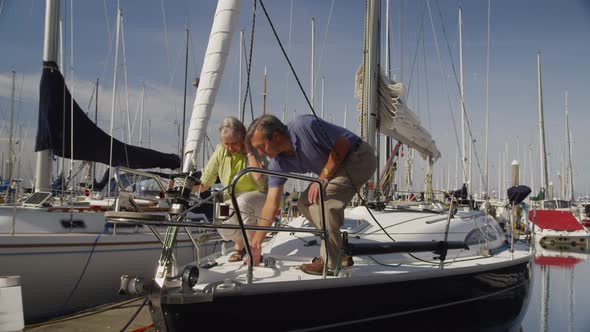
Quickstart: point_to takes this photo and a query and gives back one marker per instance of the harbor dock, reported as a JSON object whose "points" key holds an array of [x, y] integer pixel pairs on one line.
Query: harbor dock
{"points": [[108, 317]]}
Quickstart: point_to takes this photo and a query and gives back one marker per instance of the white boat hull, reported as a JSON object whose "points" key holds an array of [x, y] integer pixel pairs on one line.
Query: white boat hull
{"points": [[65, 270]]}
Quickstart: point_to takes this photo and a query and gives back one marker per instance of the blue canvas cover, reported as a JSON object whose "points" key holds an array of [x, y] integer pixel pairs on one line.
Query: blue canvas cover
{"points": [[90, 142]]}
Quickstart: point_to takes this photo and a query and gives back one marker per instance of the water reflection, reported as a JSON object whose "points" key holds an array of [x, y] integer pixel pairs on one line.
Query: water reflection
{"points": [[560, 296]]}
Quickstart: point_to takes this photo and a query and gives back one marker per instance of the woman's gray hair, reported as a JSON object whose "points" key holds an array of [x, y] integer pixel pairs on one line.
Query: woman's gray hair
{"points": [[267, 124], [232, 127]]}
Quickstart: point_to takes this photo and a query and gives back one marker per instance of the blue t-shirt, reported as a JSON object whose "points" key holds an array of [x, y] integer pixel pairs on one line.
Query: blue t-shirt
{"points": [[312, 139]]}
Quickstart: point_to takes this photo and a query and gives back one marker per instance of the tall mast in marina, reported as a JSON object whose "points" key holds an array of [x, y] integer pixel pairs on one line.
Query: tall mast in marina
{"points": [[569, 151], [113, 103], [388, 140], [50, 46], [371, 70], [323, 91], [264, 94], [312, 88], [184, 98], [544, 175], [463, 148], [240, 55], [9, 150], [487, 166]]}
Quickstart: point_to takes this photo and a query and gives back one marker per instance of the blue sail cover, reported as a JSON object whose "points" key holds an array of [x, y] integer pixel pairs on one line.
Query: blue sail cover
{"points": [[90, 142]]}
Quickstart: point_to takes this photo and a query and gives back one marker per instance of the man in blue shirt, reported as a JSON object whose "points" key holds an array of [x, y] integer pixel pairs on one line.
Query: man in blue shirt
{"points": [[309, 144]]}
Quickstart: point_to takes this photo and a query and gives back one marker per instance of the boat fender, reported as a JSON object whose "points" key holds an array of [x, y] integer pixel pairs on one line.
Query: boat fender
{"points": [[441, 250], [190, 277], [11, 304], [133, 286]]}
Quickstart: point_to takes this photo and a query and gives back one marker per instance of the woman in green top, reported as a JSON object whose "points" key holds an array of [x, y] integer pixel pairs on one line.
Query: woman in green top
{"points": [[230, 157]]}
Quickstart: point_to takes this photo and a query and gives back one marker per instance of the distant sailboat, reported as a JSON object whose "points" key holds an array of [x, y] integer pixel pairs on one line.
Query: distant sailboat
{"points": [[551, 220], [67, 257]]}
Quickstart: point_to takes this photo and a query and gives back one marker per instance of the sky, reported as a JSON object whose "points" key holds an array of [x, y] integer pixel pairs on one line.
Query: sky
{"points": [[424, 44]]}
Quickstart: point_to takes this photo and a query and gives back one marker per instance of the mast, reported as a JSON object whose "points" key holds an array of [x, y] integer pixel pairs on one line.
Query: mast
{"points": [[463, 148], [141, 115], [312, 61], [93, 173], [9, 160], [114, 96], [487, 167], [240, 55], [50, 46], [264, 94], [323, 87], [544, 175], [388, 140], [184, 99], [224, 23], [371, 72], [569, 151], [345, 114]]}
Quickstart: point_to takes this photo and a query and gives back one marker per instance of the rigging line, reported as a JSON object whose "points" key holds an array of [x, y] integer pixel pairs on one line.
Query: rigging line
{"points": [[445, 83], [324, 43], [288, 53], [249, 61], [313, 111], [414, 61], [91, 98], [249, 91], [472, 140]]}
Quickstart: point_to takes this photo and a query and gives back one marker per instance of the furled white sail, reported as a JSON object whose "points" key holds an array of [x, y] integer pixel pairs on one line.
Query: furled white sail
{"points": [[217, 50], [396, 119]]}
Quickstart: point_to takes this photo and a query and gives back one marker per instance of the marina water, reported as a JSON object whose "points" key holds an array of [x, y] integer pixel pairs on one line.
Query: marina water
{"points": [[560, 294]]}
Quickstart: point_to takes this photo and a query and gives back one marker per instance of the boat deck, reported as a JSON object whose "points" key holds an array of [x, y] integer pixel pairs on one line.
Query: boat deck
{"points": [[107, 317], [287, 267]]}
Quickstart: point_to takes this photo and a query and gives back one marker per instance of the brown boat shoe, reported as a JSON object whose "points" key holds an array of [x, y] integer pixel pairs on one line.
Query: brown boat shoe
{"points": [[346, 260], [316, 267]]}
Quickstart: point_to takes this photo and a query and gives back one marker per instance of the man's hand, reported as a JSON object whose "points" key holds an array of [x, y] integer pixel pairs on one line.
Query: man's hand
{"points": [[256, 249], [313, 193]]}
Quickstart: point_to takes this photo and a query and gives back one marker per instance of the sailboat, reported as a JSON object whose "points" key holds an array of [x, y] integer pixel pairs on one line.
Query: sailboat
{"points": [[66, 256], [412, 267], [552, 220]]}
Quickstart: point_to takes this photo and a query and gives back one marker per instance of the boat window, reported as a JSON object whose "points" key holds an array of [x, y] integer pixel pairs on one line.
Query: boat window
{"points": [[474, 237], [491, 233], [74, 223]]}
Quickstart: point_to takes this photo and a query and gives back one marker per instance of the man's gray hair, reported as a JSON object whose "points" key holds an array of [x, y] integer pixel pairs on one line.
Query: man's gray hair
{"points": [[267, 124], [232, 127]]}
